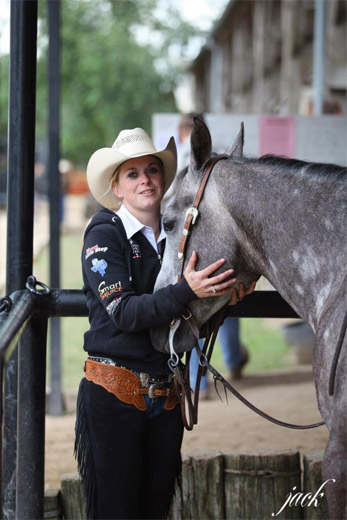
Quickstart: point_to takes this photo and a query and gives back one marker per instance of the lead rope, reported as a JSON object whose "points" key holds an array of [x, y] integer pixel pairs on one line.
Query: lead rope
{"points": [[218, 377]]}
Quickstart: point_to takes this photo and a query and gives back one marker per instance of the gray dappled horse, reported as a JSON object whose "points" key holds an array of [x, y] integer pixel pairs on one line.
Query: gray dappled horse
{"points": [[284, 219]]}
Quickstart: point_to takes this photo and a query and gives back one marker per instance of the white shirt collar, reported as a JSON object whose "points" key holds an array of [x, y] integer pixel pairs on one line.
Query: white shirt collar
{"points": [[132, 225]]}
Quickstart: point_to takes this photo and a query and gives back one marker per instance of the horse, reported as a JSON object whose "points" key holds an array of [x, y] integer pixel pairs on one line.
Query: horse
{"points": [[284, 219]]}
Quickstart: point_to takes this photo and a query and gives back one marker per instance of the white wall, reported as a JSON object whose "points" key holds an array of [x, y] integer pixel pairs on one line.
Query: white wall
{"points": [[318, 139]]}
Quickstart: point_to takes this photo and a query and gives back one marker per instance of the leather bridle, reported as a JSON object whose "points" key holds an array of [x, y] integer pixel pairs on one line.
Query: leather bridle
{"points": [[191, 216], [182, 378]]}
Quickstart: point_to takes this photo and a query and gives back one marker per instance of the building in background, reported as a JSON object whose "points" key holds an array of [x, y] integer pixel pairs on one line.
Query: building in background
{"points": [[259, 59]]}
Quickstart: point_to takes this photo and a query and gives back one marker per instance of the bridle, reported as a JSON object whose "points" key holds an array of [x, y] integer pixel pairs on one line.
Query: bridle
{"points": [[191, 216], [182, 378]]}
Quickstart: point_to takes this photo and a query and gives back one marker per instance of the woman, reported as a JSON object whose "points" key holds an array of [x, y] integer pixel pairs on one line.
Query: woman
{"points": [[129, 428]]}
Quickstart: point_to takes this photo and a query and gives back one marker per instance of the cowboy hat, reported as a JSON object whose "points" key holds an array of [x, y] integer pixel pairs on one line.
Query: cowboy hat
{"points": [[128, 145]]}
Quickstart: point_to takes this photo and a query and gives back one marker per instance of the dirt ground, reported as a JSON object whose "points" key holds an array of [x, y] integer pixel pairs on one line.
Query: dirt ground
{"points": [[287, 395]]}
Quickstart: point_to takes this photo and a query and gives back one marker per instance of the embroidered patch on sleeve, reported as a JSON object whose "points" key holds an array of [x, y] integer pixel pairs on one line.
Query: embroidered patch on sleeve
{"points": [[113, 305], [95, 249], [99, 266], [106, 290]]}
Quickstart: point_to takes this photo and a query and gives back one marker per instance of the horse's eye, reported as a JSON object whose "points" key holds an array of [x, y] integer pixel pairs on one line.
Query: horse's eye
{"points": [[168, 225]]}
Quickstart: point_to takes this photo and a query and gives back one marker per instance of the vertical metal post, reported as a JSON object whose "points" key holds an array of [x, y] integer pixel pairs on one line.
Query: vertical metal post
{"points": [[2, 370], [31, 421], [319, 57], [20, 204], [55, 401]]}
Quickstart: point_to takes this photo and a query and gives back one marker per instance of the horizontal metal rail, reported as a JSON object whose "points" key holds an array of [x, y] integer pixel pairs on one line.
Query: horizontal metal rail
{"points": [[260, 304], [263, 304], [72, 303], [13, 322], [65, 303]]}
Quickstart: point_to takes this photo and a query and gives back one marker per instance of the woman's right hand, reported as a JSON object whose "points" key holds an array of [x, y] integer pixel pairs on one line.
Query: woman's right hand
{"points": [[202, 285]]}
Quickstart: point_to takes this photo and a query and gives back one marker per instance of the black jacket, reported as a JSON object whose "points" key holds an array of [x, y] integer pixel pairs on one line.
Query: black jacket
{"points": [[119, 277]]}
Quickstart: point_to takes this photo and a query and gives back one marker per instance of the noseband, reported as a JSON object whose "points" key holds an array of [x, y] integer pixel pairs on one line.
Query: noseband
{"points": [[182, 379]]}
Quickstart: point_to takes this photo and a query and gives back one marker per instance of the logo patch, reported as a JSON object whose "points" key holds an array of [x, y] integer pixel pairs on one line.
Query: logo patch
{"points": [[105, 291], [95, 249], [135, 249], [99, 266], [113, 305]]}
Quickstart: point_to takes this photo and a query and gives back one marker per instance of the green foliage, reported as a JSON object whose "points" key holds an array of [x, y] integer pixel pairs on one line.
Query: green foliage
{"points": [[120, 63], [4, 71], [266, 346], [109, 80]]}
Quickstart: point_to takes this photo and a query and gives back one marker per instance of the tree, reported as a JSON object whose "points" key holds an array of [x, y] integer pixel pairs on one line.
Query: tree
{"points": [[109, 80]]}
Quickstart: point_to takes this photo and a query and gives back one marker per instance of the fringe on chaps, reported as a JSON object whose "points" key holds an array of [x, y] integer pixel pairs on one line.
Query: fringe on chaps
{"points": [[83, 453]]}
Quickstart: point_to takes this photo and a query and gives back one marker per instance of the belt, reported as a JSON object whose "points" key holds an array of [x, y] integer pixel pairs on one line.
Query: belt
{"points": [[127, 386], [146, 379]]}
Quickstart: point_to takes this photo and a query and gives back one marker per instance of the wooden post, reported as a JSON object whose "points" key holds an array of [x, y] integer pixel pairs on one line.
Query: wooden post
{"points": [[72, 497], [257, 484], [312, 482], [202, 489], [52, 504]]}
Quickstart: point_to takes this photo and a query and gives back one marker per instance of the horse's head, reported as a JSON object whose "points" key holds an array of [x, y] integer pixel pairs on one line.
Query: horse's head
{"points": [[212, 236]]}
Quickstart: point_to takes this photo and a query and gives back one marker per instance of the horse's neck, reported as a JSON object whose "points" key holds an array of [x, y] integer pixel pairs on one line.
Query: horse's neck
{"points": [[279, 229]]}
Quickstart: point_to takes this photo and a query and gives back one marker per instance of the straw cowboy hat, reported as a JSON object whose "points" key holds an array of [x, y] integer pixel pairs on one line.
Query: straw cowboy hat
{"points": [[128, 145]]}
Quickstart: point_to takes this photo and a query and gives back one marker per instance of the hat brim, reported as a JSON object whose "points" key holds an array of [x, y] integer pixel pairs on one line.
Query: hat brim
{"points": [[105, 161]]}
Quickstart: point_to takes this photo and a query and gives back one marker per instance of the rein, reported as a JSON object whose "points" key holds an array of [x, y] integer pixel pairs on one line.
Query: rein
{"points": [[182, 377]]}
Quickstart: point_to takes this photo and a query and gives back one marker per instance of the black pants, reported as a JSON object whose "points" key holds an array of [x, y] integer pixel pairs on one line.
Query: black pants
{"points": [[129, 460]]}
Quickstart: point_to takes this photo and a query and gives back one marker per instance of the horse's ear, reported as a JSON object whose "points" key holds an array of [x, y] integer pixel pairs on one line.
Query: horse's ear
{"points": [[201, 144], [236, 149]]}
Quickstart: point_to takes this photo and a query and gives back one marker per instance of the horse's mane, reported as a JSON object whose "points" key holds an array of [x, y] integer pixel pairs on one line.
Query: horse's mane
{"points": [[322, 170]]}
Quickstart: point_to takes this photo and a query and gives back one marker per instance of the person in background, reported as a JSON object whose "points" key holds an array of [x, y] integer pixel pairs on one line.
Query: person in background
{"points": [[235, 355], [128, 425]]}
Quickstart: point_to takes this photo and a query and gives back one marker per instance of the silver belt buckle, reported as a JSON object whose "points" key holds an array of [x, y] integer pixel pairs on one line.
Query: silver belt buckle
{"points": [[144, 378]]}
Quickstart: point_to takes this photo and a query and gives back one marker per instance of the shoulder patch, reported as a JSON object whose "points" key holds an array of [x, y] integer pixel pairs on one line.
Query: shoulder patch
{"points": [[105, 291], [94, 249], [113, 305], [99, 266]]}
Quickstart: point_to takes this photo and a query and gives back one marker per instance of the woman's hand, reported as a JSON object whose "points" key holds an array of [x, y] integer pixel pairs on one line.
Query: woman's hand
{"points": [[238, 296], [202, 285]]}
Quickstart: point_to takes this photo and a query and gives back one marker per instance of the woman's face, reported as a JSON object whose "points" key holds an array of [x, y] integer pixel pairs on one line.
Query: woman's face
{"points": [[140, 183]]}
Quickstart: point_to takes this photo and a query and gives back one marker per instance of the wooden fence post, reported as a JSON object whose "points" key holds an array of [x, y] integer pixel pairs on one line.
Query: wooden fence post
{"points": [[312, 482], [52, 504], [202, 490], [258, 483], [72, 497]]}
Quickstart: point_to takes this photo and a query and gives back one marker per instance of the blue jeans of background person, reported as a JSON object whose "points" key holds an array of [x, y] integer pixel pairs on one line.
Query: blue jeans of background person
{"points": [[229, 340]]}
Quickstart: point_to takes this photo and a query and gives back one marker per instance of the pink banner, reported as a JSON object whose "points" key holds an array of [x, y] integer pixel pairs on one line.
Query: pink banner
{"points": [[277, 135]]}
